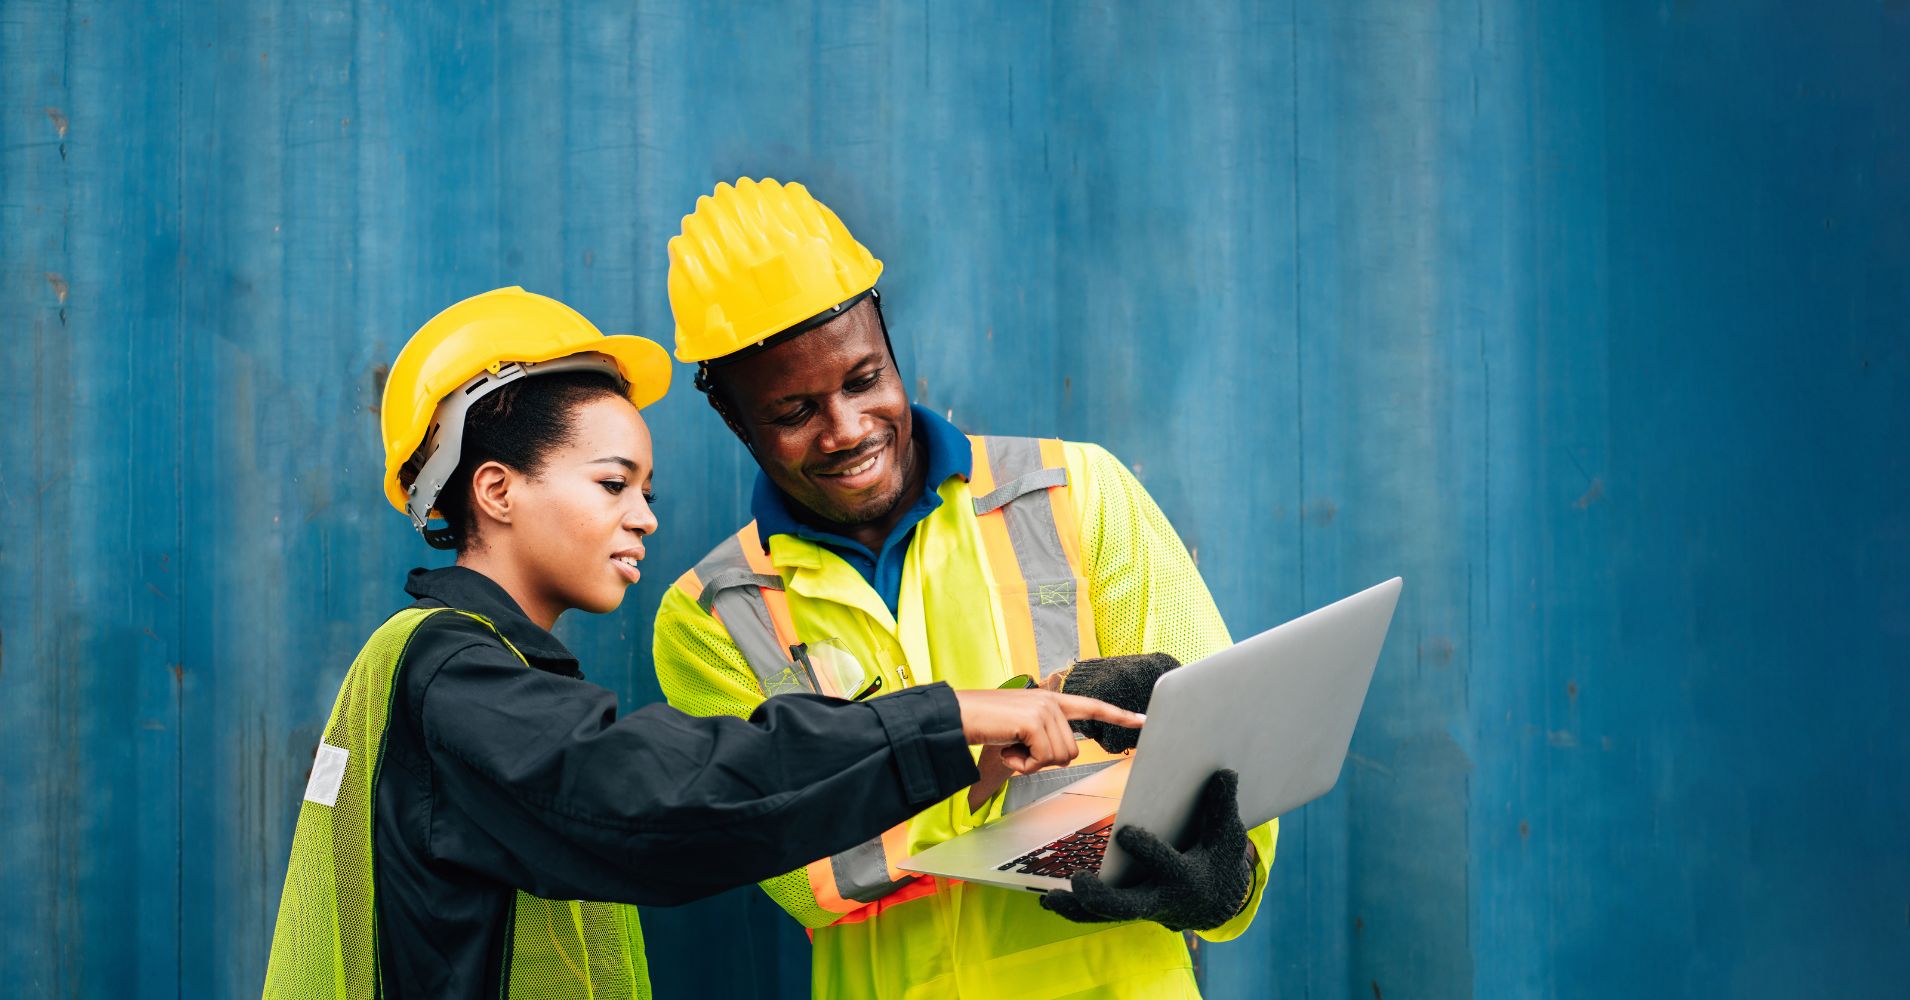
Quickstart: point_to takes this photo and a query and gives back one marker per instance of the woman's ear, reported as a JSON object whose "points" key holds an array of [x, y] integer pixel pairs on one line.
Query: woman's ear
{"points": [[491, 493]]}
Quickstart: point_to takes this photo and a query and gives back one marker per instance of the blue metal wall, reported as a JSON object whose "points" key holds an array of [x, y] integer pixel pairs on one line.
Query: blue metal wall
{"points": [[1590, 320]]}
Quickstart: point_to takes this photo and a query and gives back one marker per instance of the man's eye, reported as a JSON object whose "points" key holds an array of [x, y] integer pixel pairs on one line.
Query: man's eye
{"points": [[792, 418], [614, 486], [866, 382]]}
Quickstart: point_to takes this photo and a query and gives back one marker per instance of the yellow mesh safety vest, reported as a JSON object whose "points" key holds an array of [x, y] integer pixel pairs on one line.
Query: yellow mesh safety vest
{"points": [[325, 944], [1049, 553]]}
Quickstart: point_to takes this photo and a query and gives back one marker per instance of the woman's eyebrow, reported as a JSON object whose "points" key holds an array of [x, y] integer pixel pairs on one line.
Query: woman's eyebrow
{"points": [[614, 460]]}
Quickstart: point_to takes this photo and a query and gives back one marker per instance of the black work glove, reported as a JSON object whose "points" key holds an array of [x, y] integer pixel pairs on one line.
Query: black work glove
{"points": [[1123, 681], [1194, 890]]}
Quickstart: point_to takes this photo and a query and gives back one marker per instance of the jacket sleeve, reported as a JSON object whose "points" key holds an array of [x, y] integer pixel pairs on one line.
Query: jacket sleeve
{"points": [[1148, 597], [540, 783], [703, 672]]}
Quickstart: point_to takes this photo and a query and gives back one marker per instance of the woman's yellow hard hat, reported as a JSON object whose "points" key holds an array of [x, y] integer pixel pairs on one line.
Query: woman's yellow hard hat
{"points": [[755, 259], [473, 348]]}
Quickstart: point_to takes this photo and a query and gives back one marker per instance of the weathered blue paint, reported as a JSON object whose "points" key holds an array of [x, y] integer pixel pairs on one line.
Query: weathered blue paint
{"points": [[1589, 322]]}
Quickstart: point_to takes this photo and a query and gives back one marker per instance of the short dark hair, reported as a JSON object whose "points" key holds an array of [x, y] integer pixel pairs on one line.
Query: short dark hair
{"points": [[518, 426]]}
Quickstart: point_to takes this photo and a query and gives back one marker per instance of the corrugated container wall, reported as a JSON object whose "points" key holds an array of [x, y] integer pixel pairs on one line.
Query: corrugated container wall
{"points": [[1587, 319]]}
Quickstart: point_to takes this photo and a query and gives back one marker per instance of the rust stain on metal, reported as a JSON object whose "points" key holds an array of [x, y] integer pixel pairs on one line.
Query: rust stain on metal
{"points": [[1439, 648], [1571, 690], [1321, 512], [59, 120], [1525, 830], [58, 281], [1591, 494], [379, 373]]}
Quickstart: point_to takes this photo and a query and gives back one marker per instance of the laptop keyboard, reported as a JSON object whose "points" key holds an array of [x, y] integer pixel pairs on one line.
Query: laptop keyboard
{"points": [[1079, 851]]}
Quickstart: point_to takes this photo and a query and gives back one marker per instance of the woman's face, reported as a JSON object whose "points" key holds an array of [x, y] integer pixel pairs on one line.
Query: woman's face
{"points": [[578, 526]]}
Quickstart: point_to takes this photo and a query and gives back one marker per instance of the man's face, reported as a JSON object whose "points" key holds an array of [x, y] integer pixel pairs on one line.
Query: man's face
{"points": [[829, 417]]}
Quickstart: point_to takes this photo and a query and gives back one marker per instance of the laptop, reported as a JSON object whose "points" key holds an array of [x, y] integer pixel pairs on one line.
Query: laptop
{"points": [[1278, 708]]}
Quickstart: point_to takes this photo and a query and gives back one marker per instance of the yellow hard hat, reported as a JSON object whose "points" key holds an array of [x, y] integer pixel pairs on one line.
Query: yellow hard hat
{"points": [[473, 348], [757, 259]]}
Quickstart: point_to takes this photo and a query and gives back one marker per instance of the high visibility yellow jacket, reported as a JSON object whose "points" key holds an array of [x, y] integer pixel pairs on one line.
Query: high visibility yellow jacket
{"points": [[991, 587]]}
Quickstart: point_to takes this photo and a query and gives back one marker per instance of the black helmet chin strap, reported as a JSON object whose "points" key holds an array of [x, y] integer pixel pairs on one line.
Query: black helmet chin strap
{"points": [[706, 384]]}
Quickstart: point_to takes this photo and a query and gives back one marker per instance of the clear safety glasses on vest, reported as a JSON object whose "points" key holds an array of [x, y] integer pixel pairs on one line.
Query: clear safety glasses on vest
{"points": [[437, 457]]}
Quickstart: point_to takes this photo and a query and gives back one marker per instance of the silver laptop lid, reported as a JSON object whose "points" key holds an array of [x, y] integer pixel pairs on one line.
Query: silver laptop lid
{"points": [[1278, 708]]}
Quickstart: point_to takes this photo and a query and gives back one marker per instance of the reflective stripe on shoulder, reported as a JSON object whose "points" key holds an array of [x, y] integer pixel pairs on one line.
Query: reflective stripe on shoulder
{"points": [[751, 606], [1021, 521], [738, 584], [1032, 539]]}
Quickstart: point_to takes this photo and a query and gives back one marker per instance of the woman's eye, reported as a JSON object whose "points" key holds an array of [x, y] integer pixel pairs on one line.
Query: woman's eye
{"points": [[614, 486], [650, 496]]}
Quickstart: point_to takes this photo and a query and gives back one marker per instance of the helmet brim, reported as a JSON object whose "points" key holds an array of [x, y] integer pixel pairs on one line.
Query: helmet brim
{"points": [[643, 363]]}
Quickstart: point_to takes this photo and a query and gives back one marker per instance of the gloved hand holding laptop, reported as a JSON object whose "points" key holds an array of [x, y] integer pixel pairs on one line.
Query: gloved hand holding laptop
{"points": [[1193, 890], [1123, 681]]}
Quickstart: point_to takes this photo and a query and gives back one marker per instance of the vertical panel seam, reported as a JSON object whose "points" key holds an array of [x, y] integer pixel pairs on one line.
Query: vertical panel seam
{"points": [[179, 515], [1299, 370]]}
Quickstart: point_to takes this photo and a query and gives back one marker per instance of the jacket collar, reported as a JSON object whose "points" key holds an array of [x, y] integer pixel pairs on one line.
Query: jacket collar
{"points": [[468, 590]]}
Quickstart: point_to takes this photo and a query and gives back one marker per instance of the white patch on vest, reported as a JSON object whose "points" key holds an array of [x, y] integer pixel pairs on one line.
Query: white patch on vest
{"points": [[328, 773]]}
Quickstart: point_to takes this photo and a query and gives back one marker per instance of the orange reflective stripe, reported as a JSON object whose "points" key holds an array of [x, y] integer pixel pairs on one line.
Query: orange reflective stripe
{"points": [[690, 584], [778, 603], [923, 885], [1068, 526], [1016, 620], [753, 553], [895, 844], [822, 881], [1091, 753], [775, 599]]}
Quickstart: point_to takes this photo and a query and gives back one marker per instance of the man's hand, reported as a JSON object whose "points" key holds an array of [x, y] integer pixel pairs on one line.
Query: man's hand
{"points": [[1195, 890], [1126, 681], [1031, 727]]}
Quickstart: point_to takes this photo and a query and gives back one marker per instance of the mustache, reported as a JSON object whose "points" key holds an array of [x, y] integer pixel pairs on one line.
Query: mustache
{"points": [[838, 464]]}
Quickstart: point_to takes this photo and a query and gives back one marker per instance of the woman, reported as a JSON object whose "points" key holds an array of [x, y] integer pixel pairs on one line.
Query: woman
{"points": [[478, 816]]}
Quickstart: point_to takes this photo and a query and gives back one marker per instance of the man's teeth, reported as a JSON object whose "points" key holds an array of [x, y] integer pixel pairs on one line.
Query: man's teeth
{"points": [[857, 469]]}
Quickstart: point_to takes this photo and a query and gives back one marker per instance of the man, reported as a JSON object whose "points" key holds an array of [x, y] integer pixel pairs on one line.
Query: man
{"points": [[888, 550]]}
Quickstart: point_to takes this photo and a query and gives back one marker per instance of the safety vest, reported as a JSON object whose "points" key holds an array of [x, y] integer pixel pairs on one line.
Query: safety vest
{"points": [[1048, 552], [325, 944], [1026, 516]]}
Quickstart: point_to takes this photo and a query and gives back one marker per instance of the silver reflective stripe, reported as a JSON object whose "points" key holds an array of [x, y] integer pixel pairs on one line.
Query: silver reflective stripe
{"points": [[862, 873], [1039, 479], [1026, 788], [725, 579], [1029, 516], [735, 591]]}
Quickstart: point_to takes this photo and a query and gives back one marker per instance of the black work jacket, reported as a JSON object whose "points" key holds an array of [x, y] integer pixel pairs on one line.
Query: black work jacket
{"points": [[497, 777]]}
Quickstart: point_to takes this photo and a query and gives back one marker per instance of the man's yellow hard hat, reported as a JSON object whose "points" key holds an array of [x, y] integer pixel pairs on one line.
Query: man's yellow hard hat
{"points": [[473, 348], [758, 258]]}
